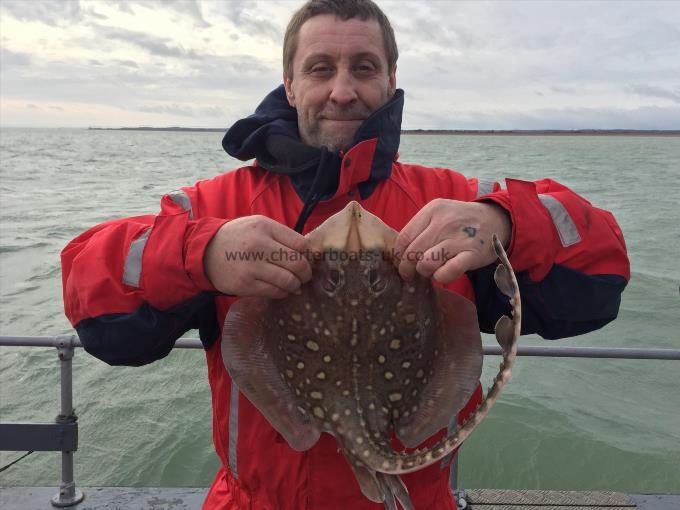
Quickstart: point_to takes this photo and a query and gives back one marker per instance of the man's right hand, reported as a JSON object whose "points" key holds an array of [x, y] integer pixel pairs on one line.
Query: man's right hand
{"points": [[256, 256]]}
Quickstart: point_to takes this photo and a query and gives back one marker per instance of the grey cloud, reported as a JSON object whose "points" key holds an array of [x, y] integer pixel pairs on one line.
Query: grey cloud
{"points": [[653, 91], [246, 64], [10, 58], [124, 6], [445, 36], [154, 45], [655, 37], [464, 26], [186, 7], [94, 14], [248, 17], [127, 63], [50, 12], [31, 106], [81, 82], [116, 83], [563, 90], [502, 42], [189, 8], [235, 72], [568, 71], [438, 71], [518, 49]]}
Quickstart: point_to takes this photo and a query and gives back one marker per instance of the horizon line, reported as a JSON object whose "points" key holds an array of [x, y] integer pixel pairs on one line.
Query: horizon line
{"points": [[582, 131]]}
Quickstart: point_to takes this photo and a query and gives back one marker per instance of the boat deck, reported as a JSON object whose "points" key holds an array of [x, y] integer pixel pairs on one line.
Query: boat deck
{"points": [[142, 498]]}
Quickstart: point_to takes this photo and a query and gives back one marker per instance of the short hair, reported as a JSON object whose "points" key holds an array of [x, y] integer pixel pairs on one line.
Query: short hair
{"points": [[343, 9]]}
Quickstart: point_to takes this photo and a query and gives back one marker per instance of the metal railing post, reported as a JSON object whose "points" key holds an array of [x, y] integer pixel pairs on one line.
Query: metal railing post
{"points": [[68, 494]]}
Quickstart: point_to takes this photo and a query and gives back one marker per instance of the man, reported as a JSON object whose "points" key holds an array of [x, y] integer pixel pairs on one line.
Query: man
{"points": [[328, 136]]}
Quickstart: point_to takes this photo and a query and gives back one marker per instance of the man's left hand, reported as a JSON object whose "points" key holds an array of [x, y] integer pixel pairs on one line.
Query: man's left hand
{"points": [[446, 238]]}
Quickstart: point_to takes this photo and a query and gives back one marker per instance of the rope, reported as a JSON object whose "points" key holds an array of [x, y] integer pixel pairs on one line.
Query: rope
{"points": [[3, 468]]}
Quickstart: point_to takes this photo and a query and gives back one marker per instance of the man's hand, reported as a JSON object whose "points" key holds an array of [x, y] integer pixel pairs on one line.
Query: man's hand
{"points": [[446, 238], [256, 256]]}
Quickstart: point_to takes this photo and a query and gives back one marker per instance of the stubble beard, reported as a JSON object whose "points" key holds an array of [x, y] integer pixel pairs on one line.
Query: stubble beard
{"points": [[316, 134], [334, 142]]}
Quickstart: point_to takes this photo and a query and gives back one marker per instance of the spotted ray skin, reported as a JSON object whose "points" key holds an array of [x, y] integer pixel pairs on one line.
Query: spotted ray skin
{"points": [[360, 354]]}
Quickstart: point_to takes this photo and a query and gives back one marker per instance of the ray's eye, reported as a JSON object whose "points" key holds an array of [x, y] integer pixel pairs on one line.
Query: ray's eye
{"points": [[333, 280]]}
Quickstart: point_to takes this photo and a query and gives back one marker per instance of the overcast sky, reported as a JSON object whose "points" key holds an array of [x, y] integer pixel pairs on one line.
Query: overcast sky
{"points": [[463, 65]]}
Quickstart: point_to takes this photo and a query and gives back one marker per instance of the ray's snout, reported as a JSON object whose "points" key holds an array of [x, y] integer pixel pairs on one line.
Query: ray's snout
{"points": [[354, 227], [358, 229]]}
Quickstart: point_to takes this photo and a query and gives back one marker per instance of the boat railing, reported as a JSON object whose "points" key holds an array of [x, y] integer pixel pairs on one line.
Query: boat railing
{"points": [[62, 435]]}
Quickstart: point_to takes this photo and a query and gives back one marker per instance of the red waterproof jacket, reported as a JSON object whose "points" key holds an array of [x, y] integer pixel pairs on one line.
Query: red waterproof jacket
{"points": [[132, 286]]}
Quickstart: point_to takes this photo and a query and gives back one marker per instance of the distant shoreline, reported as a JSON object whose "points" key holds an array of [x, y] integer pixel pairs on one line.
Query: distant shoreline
{"points": [[458, 132]]}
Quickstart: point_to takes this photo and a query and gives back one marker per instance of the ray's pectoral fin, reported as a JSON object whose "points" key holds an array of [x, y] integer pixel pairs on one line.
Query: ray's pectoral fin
{"points": [[457, 367], [246, 356]]}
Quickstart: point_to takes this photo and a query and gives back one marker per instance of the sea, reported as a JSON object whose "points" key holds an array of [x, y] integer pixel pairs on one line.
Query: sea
{"points": [[568, 424]]}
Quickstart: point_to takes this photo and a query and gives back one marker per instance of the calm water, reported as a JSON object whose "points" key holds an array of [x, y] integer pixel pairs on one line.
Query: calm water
{"points": [[561, 424]]}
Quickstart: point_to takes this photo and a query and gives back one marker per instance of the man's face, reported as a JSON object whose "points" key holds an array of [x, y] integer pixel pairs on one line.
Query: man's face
{"points": [[339, 78]]}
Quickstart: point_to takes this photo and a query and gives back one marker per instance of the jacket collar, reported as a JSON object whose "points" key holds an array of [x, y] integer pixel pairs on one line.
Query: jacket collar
{"points": [[271, 136]]}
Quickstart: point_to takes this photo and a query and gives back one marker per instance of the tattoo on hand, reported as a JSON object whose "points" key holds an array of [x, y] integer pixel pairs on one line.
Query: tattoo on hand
{"points": [[470, 231]]}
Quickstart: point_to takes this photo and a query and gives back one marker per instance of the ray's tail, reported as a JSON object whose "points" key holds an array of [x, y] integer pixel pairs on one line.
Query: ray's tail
{"points": [[507, 334]]}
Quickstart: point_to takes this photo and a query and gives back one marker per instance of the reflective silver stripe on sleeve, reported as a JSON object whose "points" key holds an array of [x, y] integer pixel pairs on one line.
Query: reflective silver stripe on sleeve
{"points": [[233, 428], [132, 270], [484, 188], [566, 228], [183, 200]]}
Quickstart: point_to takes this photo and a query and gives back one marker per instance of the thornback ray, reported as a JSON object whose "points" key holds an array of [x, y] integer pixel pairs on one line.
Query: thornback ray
{"points": [[363, 355]]}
